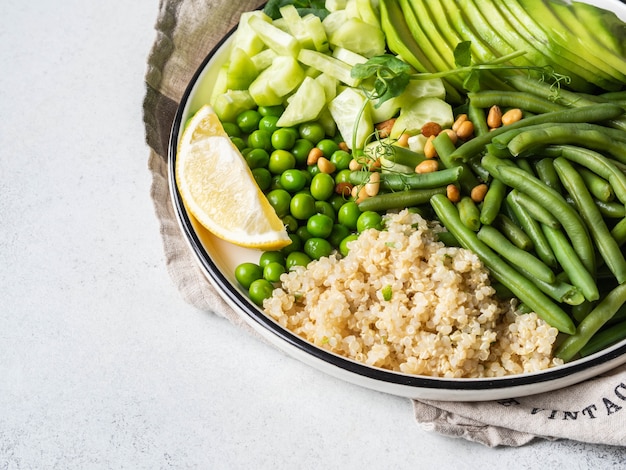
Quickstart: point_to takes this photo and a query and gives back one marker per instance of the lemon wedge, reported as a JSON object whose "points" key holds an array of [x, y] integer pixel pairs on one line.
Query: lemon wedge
{"points": [[219, 190]]}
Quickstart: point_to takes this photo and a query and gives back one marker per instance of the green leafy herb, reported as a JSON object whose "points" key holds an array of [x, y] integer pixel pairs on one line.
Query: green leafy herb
{"points": [[304, 7]]}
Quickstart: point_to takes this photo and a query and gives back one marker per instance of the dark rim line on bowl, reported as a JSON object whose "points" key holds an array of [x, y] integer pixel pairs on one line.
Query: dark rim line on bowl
{"points": [[377, 374]]}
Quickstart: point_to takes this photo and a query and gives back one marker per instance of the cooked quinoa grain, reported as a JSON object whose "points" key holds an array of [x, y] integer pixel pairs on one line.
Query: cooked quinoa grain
{"points": [[400, 300]]}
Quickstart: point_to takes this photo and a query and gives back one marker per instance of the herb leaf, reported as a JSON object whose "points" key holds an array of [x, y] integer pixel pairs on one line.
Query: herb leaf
{"points": [[463, 54]]}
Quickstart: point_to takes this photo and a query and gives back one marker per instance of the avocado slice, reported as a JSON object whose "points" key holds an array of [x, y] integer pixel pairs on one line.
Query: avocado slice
{"points": [[604, 25]]}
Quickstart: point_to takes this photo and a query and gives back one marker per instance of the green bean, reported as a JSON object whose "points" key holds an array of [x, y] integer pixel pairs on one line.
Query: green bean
{"points": [[494, 239], [444, 146], [513, 99], [595, 113], [447, 238], [502, 272], [558, 290], [536, 210], [571, 263], [525, 165], [547, 174], [399, 200], [619, 232], [477, 168], [598, 186], [594, 161], [604, 339], [549, 198], [571, 134], [513, 232], [532, 229], [401, 155], [567, 98], [610, 210], [606, 244], [580, 311], [478, 118], [469, 213], [399, 181], [492, 201], [599, 316]]}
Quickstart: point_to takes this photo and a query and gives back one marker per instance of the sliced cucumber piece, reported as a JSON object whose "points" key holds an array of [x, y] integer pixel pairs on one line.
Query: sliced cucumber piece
{"points": [[421, 111], [229, 104], [345, 109], [358, 36], [327, 64], [275, 38], [245, 37], [305, 104], [277, 81]]}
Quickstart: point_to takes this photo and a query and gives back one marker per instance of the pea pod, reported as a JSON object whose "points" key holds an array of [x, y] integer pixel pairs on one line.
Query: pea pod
{"points": [[400, 182]]}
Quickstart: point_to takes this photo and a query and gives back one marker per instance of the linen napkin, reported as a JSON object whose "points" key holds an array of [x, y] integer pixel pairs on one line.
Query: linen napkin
{"points": [[186, 31]]}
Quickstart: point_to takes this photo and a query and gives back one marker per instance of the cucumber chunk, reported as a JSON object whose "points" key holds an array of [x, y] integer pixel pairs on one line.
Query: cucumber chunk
{"points": [[415, 115], [358, 36], [305, 104], [277, 81], [345, 109], [282, 43], [327, 64]]}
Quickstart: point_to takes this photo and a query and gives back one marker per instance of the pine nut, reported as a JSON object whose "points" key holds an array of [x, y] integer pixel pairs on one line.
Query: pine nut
{"points": [[373, 185], [313, 156], [461, 118], [325, 165], [403, 140], [511, 116], [355, 165], [494, 117], [465, 130], [429, 148], [359, 194], [478, 192], [427, 166], [430, 128], [453, 137], [384, 128], [343, 146], [453, 193]]}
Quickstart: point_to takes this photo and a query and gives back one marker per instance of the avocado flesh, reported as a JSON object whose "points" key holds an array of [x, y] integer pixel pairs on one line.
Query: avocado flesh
{"points": [[604, 25], [550, 31]]}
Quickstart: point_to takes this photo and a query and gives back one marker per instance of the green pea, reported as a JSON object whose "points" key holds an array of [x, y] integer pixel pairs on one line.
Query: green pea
{"points": [[260, 290], [280, 200], [297, 258], [348, 214], [239, 142], [276, 110], [272, 271], [263, 178], [369, 219], [268, 257], [341, 159], [319, 226], [314, 169], [293, 180], [280, 161], [260, 140], [248, 120], [302, 206], [300, 150], [317, 248], [268, 123], [336, 200], [303, 233], [232, 129], [257, 158], [343, 246], [312, 131], [247, 273], [337, 234], [291, 224], [343, 176], [322, 186], [326, 208], [295, 245], [283, 139], [328, 147]]}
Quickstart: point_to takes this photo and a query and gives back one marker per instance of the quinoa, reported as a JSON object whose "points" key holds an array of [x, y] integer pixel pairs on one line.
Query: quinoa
{"points": [[401, 300]]}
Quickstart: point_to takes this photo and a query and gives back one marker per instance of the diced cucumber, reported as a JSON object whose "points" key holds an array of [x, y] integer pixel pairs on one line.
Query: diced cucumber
{"points": [[345, 109], [329, 84], [263, 59], [414, 115], [245, 37], [305, 104], [349, 57], [360, 37], [334, 21], [417, 143], [241, 70], [295, 26], [327, 122], [274, 83], [334, 5], [327, 64], [367, 12], [229, 104], [415, 90], [315, 29], [275, 38], [219, 86]]}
